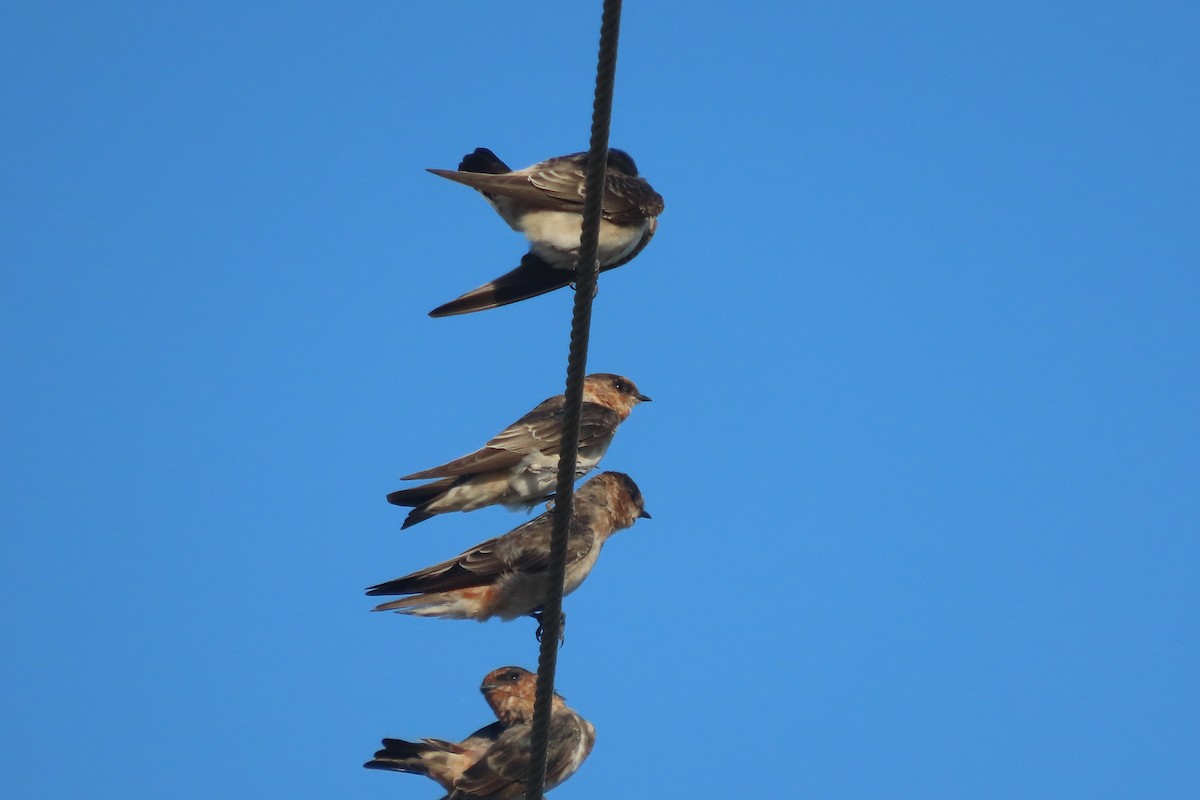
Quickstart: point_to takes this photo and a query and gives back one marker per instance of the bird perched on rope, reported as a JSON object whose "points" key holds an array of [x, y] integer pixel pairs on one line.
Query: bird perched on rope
{"points": [[545, 202], [518, 467], [507, 577], [494, 762]]}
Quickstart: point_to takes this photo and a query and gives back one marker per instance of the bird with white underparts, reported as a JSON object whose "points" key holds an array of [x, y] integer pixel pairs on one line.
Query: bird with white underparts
{"points": [[545, 203]]}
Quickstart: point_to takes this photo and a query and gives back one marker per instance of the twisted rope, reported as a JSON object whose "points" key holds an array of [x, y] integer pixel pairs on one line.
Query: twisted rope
{"points": [[586, 270]]}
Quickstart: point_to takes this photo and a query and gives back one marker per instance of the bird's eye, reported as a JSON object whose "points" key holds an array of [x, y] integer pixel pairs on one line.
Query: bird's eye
{"points": [[621, 386]]}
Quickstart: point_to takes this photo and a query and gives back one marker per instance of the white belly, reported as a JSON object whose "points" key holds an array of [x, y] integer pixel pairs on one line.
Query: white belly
{"points": [[555, 234]]}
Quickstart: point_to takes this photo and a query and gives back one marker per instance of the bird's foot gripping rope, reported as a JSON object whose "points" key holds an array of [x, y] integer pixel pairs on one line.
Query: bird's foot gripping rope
{"points": [[541, 628]]}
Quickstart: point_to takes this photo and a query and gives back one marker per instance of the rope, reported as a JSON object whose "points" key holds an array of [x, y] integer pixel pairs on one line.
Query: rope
{"points": [[586, 270]]}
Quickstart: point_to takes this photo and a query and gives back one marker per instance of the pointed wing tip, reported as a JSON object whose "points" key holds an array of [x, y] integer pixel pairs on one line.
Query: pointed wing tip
{"points": [[415, 516], [461, 305], [533, 277], [481, 298]]}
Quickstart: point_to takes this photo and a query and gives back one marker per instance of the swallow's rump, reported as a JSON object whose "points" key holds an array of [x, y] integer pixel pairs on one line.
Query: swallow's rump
{"points": [[518, 467], [545, 203]]}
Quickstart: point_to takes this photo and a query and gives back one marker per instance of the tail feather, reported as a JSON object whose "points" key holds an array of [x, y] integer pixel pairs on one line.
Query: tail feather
{"points": [[420, 495], [392, 587], [418, 605], [398, 755], [532, 278], [395, 605], [419, 498], [474, 603], [483, 160]]}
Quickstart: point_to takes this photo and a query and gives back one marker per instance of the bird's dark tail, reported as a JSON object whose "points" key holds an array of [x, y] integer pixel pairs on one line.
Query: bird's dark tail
{"points": [[415, 496], [401, 756], [535, 276], [483, 160], [418, 498]]}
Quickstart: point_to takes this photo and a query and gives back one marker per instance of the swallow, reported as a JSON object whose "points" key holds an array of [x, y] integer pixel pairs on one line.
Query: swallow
{"points": [[545, 202], [518, 467], [506, 577], [494, 762]]}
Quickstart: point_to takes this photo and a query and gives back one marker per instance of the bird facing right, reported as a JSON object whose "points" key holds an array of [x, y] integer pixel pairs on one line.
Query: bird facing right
{"points": [[507, 577], [518, 467], [545, 202]]}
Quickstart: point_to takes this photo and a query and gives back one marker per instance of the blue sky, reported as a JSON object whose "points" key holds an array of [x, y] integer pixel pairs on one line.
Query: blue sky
{"points": [[919, 324]]}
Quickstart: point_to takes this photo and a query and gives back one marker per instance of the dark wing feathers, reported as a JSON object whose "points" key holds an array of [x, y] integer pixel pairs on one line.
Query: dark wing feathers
{"points": [[505, 449], [596, 423], [519, 549], [505, 763], [536, 432], [558, 185], [398, 755], [418, 495], [525, 549], [532, 278], [485, 735], [539, 431], [484, 459], [627, 200]]}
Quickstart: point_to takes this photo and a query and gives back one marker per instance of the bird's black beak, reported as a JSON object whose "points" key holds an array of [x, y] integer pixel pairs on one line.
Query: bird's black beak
{"points": [[644, 515], [642, 398]]}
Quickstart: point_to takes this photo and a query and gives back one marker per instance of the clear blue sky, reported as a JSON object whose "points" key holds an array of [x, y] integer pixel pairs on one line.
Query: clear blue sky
{"points": [[920, 324]]}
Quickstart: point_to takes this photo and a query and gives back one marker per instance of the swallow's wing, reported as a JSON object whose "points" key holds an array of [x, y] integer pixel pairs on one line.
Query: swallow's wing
{"points": [[597, 423], [558, 185], [539, 431], [534, 277], [543, 433], [482, 739], [628, 199], [505, 764], [551, 185], [571, 741], [530, 434], [523, 549], [419, 495]]}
